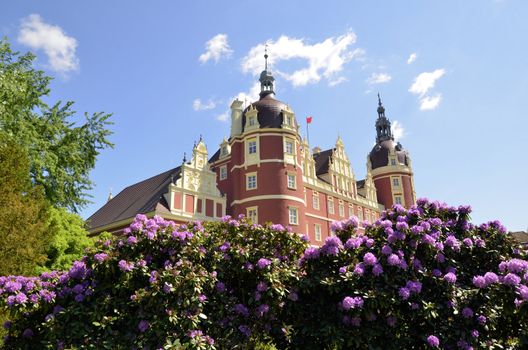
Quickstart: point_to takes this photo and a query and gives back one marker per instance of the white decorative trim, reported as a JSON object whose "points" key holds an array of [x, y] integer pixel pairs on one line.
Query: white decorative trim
{"points": [[268, 196], [244, 165], [319, 217]]}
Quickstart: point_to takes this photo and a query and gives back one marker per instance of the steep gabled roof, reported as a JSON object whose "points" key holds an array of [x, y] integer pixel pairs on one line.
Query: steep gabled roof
{"points": [[143, 197], [360, 184], [322, 161], [215, 157]]}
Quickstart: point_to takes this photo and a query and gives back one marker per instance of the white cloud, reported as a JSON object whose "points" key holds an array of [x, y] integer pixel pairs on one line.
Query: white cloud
{"points": [[324, 59], [412, 58], [398, 131], [224, 117], [337, 81], [59, 47], [429, 103], [216, 48], [379, 78], [198, 105], [425, 81], [247, 96], [251, 95]]}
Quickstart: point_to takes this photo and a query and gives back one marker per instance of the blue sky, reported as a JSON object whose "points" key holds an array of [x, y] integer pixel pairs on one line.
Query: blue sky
{"points": [[453, 76]]}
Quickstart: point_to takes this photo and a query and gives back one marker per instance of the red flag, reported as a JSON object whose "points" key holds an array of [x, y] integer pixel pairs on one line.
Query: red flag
{"points": [[308, 120]]}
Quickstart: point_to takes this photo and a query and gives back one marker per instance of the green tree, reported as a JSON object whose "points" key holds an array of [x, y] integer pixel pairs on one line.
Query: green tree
{"points": [[61, 154], [69, 239], [23, 213]]}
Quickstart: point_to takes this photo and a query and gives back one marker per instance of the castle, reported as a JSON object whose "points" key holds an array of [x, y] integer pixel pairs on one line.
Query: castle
{"points": [[268, 173]]}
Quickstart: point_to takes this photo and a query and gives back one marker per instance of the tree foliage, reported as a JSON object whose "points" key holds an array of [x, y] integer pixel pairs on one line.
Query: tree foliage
{"points": [[61, 154], [23, 213], [68, 242], [416, 279]]}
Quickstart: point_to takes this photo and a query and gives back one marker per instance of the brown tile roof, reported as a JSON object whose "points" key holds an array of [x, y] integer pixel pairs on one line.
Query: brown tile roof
{"points": [[521, 236], [143, 197]]}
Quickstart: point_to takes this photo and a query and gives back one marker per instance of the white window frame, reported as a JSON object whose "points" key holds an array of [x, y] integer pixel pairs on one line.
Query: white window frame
{"points": [[293, 215], [223, 172], [315, 201], [396, 182], [252, 218], [341, 210], [331, 209], [249, 183], [289, 143], [398, 200], [317, 233], [252, 120], [292, 184], [393, 162], [252, 147], [360, 214], [350, 210]]}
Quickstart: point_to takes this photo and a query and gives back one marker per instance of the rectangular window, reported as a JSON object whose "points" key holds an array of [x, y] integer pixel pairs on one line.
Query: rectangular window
{"points": [[317, 230], [360, 214], [251, 121], [315, 201], [331, 206], [350, 210], [395, 182], [223, 172], [291, 181], [289, 147], [251, 181], [293, 215], [252, 214], [368, 216], [252, 146], [393, 162], [398, 200], [341, 210]]}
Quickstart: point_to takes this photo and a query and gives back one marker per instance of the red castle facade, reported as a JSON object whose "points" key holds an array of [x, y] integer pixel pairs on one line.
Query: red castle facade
{"points": [[268, 173]]}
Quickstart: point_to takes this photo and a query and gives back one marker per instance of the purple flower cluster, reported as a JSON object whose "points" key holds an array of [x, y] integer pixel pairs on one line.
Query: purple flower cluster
{"points": [[352, 303], [331, 246], [262, 263], [125, 266], [433, 341], [369, 259]]}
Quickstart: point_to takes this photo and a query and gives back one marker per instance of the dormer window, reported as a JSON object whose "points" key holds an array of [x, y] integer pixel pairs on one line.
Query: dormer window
{"points": [[223, 151], [393, 162], [252, 121], [289, 120]]}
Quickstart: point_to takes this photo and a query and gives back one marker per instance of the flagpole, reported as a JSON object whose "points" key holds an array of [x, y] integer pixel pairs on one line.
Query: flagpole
{"points": [[308, 133]]}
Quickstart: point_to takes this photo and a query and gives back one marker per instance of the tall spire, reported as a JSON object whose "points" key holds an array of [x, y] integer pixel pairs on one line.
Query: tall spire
{"points": [[383, 125], [266, 78]]}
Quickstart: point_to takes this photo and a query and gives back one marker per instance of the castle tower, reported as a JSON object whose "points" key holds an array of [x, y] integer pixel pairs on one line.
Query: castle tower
{"points": [[390, 166], [259, 166]]}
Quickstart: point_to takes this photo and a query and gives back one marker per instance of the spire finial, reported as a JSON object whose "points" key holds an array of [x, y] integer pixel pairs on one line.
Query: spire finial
{"points": [[383, 125], [184, 157], [266, 78], [266, 57]]}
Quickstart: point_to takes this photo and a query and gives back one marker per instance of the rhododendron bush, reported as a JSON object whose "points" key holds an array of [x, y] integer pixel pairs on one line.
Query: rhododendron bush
{"points": [[416, 279]]}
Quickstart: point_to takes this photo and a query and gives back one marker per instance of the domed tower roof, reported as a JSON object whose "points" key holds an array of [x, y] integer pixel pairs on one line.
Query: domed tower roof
{"points": [[269, 109], [385, 144]]}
